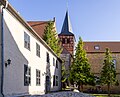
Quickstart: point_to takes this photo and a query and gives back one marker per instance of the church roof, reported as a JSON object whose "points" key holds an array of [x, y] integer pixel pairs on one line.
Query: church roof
{"points": [[99, 47], [66, 28]]}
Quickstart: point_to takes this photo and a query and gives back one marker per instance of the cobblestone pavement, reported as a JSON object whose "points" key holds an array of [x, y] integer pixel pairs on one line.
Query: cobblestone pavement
{"points": [[64, 94]]}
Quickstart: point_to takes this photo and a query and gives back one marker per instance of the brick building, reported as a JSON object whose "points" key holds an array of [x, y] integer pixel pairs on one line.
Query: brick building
{"points": [[96, 52]]}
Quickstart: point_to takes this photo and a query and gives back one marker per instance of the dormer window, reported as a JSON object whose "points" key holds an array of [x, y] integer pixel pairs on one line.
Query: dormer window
{"points": [[97, 47]]}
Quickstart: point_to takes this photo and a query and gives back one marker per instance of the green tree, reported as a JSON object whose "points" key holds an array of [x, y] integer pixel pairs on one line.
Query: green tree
{"points": [[80, 69], [108, 72], [51, 38], [64, 76]]}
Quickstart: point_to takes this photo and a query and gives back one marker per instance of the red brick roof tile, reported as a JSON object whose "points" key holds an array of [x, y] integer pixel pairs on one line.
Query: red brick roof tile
{"points": [[38, 26], [101, 46]]}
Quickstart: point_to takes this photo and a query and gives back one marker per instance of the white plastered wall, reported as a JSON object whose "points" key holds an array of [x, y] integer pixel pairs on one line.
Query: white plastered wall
{"points": [[14, 49]]}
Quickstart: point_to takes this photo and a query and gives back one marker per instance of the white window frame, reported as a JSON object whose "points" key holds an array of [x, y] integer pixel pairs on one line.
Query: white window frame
{"points": [[37, 49], [26, 41], [38, 78], [27, 75]]}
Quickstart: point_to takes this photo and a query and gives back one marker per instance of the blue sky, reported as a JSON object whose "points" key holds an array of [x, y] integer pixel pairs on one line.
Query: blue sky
{"points": [[93, 20]]}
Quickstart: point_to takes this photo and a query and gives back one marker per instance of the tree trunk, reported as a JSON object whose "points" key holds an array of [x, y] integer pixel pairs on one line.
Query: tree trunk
{"points": [[81, 87], [108, 89]]}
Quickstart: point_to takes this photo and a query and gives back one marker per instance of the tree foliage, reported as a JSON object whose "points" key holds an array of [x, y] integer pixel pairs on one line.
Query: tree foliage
{"points": [[51, 38], [64, 74], [80, 69], [108, 72]]}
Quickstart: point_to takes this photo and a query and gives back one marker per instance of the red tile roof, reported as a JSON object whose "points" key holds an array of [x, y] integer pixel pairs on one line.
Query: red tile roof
{"points": [[101, 46], [38, 26]]}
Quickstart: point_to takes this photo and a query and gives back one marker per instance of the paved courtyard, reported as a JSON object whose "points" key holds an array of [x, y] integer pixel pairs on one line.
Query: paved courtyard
{"points": [[64, 94]]}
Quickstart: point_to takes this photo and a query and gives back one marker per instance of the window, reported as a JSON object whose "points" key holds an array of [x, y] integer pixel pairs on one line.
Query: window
{"points": [[26, 41], [97, 80], [56, 64], [37, 77], [38, 50], [114, 62], [68, 40], [53, 62], [63, 40], [55, 80], [47, 59], [97, 47], [27, 75]]}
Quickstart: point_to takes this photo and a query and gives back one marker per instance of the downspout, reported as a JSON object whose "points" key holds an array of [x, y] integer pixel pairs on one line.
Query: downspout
{"points": [[2, 47]]}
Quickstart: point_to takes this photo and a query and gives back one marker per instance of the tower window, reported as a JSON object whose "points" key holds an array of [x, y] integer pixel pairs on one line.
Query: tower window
{"points": [[68, 40], [63, 40]]}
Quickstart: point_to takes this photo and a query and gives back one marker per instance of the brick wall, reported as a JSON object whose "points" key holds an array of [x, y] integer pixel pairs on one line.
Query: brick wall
{"points": [[96, 61]]}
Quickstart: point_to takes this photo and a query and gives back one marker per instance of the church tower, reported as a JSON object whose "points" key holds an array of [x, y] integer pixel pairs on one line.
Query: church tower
{"points": [[66, 36]]}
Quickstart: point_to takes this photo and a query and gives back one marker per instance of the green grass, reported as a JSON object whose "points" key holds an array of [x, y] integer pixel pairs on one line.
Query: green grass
{"points": [[106, 95]]}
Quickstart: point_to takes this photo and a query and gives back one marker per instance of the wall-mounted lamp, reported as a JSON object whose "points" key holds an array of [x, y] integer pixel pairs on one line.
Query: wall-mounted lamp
{"points": [[8, 62], [44, 73]]}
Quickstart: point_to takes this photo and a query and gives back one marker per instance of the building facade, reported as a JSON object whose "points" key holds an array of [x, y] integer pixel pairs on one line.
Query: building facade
{"points": [[96, 54], [28, 65], [66, 37]]}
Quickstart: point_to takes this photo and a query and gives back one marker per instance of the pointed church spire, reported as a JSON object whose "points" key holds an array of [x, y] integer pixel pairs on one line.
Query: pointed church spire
{"points": [[66, 28]]}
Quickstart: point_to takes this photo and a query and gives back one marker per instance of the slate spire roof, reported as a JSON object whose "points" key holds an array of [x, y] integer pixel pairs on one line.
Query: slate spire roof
{"points": [[66, 28]]}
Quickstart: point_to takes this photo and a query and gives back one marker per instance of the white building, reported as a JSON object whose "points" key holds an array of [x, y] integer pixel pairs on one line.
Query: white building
{"points": [[28, 65]]}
